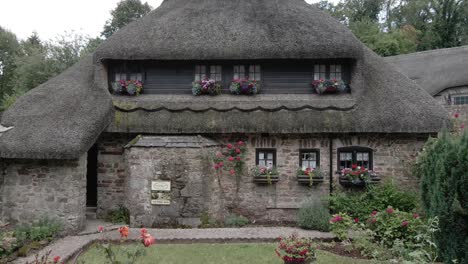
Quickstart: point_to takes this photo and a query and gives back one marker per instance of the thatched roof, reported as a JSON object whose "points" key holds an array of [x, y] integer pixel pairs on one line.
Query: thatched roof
{"points": [[60, 119], [435, 70], [232, 29], [383, 101]]}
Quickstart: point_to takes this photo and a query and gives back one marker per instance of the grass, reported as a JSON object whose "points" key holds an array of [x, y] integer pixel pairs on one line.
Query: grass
{"points": [[212, 254]]}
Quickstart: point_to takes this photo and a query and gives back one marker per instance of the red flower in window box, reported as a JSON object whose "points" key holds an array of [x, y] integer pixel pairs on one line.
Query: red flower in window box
{"points": [[323, 86]]}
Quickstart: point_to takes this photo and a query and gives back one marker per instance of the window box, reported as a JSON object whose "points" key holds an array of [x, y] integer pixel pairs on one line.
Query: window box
{"points": [[358, 181], [244, 87], [324, 86], [264, 175], [309, 176], [206, 87], [132, 88]]}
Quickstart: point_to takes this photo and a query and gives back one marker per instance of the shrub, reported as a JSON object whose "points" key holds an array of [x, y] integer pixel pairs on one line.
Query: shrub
{"points": [[233, 220], [120, 215], [314, 215], [340, 225], [443, 167], [294, 249], [360, 205], [44, 229], [207, 221]]}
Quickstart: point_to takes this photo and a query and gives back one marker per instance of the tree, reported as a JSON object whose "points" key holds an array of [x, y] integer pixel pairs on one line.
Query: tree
{"points": [[443, 169], [8, 48], [126, 11]]}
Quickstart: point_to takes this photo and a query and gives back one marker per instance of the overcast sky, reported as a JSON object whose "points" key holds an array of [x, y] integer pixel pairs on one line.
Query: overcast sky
{"points": [[50, 18]]}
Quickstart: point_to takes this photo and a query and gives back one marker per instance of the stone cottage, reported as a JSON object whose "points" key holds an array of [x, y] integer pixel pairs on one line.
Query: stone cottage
{"points": [[71, 143]]}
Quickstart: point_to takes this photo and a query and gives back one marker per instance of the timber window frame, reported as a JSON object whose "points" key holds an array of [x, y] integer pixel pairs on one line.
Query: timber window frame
{"points": [[251, 71], [309, 156], [265, 158], [361, 156], [330, 71], [214, 72], [460, 99]]}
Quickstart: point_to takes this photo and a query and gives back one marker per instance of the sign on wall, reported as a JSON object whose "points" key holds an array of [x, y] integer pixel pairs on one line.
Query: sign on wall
{"points": [[160, 192]]}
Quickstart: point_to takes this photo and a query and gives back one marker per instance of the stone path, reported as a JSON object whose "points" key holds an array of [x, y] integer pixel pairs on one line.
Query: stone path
{"points": [[69, 246]]}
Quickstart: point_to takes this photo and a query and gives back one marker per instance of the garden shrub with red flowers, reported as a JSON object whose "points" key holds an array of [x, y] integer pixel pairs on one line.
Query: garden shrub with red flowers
{"points": [[244, 86], [294, 249], [406, 235]]}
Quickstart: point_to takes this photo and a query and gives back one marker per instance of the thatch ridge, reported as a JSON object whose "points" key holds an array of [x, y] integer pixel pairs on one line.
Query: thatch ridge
{"points": [[232, 29]]}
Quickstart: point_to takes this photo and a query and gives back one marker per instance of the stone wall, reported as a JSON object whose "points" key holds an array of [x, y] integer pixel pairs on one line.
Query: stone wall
{"points": [[197, 189], [112, 171], [32, 189]]}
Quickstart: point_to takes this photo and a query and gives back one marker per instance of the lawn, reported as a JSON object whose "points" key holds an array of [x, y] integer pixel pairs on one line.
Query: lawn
{"points": [[213, 254]]}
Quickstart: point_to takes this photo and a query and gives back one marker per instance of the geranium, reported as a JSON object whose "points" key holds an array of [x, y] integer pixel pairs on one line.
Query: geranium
{"points": [[311, 173], [456, 115], [356, 174], [295, 249], [404, 223], [323, 86], [206, 87], [148, 240], [56, 259], [390, 210], [262, 171], [415, 216], [356, 220], [131, 87], [244, 86], [339, 225]]}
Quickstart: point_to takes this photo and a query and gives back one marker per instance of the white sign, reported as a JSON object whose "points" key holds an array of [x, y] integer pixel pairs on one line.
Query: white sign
{"points": [[161, 186]]}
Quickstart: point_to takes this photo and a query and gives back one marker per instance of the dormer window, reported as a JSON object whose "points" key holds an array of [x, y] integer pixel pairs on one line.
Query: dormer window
{"points": [[255, 72], [460, 100], [324, 71], [215, 72]]}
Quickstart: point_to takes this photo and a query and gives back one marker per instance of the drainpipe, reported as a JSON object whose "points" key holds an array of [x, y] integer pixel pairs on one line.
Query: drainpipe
{"points": [[330, 142]]}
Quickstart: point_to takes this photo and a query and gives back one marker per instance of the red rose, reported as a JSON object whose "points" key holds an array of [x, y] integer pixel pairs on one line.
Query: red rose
{"points": [[148, 240], [240, 143], [405, 223], [390, 210], [456, 115], [100, 229], [56, 259], [238, 151], [220, 164], [354, 166], [231, 158], [238, 158], [229, 146], [374, 212], [356, 220]]}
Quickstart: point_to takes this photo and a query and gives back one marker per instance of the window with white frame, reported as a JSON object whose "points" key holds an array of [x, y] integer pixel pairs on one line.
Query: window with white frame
{"points": [[121, 76], [309, 159], [239, 72], [216, 72], [320, 71], [335, 72], [200, 72], [266, 158], [255, 73], [460, 100]]}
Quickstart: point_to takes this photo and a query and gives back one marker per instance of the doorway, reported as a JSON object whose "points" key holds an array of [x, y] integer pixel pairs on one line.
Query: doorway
{"points": [[91, 177]]}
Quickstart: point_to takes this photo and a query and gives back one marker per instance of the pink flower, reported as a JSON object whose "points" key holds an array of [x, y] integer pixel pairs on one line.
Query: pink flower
{"points": [[238, 158], [354, 166], [456, 115], [390, 210], [373, 220], [221, 164], [148, 240], [405, 223], [462, 126], [229, 146], [238, 151], [415, 216], [240, 143], [231, 158], [356, 220], [143, 232], [232, 172], [374, 212], [56, 259], [100, 229]]}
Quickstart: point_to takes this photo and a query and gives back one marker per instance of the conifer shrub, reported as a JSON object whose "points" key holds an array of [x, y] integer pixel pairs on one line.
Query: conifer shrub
{"points": [[443, 169]]}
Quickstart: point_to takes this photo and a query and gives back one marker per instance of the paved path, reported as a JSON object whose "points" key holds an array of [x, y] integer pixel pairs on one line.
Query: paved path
{"points": [[67, 247]]}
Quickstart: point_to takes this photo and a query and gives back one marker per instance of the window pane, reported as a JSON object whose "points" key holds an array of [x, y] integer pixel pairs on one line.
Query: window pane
{"points": [[117, 77], [320, 72], [460, 100], [200, 71], [133, 76], [270, 156], [139, 76], [335, 72], [261, 155]]}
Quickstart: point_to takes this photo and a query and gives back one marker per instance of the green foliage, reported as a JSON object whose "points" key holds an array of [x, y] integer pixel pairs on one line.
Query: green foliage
{"points": [[8, 243], [340, 224], [8, 100], [120, 215], [443, 167], [207, 221], [360, 205], [314, 215], [233, 220], [44, 229], [126, 12], [9, 46]]}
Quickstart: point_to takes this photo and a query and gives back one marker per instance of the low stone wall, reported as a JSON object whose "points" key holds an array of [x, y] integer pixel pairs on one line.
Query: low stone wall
{"points": [[32, 189]]}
